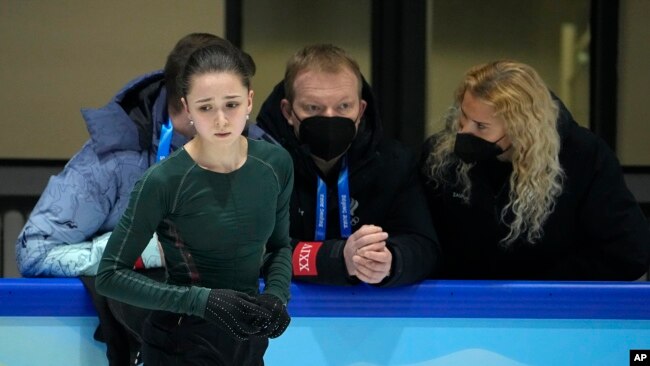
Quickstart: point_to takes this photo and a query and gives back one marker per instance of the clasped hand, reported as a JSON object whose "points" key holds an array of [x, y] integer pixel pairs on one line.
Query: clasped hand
{"points": [[243, 316], [366, 255]]}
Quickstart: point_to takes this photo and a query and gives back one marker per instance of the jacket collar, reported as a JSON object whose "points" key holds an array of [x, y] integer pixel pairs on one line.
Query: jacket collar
{"points": [[130, 119]]}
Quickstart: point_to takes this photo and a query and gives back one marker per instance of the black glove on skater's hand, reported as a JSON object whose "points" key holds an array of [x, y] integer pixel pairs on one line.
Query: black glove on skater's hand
{"points": [[279, 316], [236, 313]]}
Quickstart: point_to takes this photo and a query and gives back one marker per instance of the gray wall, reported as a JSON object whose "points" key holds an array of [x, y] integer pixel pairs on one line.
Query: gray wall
{"points": [[58, 56], [470, 32], [634, 83]]}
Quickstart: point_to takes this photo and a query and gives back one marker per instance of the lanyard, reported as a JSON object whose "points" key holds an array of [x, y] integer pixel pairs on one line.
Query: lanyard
{"points": [[165, 143], [344, 204]]}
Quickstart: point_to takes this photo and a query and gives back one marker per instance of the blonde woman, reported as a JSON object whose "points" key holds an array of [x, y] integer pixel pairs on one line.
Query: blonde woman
{"points": [[519, 191]]}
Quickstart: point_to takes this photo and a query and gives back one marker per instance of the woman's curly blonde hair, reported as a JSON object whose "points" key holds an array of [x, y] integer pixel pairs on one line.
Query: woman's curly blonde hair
{"points": [[522, 100]]}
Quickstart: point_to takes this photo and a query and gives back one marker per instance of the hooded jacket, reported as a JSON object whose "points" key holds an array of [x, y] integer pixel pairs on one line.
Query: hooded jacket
{"points": [[63, 235], [384, 191], [595, 232]]}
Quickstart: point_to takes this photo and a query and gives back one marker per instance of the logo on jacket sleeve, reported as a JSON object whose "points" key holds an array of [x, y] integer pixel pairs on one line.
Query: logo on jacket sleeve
{"points": [[304, 258]]}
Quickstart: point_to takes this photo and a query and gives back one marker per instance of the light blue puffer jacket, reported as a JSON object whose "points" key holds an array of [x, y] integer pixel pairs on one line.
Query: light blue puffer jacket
{"points": [[68, 228]]}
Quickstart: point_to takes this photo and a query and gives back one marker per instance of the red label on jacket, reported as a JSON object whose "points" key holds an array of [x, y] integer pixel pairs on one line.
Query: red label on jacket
{"points": [[304, 258], [139, 263]]}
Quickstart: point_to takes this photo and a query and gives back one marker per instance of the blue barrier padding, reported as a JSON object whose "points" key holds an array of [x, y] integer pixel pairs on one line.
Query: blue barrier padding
{"points": [[429, 299], [44, 297], [478, 299]]}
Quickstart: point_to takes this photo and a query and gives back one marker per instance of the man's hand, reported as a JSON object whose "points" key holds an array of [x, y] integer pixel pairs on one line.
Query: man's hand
{"points": [[366, 255], [373, 263]]}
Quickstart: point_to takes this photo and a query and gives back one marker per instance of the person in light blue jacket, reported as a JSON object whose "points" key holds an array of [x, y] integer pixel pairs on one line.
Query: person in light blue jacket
{"points": [[69, 227]]}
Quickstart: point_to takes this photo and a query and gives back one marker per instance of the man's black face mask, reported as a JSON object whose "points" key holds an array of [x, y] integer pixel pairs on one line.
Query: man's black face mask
{"points": [[327, 137]]}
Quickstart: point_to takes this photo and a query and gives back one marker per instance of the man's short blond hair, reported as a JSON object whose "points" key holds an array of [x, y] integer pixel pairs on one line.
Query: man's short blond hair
{"points": [[320, 58]]}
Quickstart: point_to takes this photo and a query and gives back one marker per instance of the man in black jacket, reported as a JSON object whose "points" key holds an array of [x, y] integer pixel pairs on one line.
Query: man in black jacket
{"points": [[357, 210]]}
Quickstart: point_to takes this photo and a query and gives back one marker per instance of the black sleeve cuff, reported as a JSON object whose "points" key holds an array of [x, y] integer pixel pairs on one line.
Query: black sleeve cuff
{"points": [[322, 263]]}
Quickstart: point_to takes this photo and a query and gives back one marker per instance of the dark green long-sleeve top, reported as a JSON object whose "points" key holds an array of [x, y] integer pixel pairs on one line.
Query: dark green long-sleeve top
{"points": [[217, 230]]}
